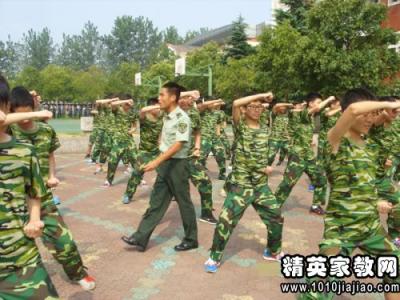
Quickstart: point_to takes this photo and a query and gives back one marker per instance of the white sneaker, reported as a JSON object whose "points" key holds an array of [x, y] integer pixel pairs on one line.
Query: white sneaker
{"points": [[106, 184], [143, 182], [88, 283]]}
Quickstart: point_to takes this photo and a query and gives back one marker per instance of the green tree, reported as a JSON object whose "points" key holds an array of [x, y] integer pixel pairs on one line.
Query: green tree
{"points": [[295, 13], [39, 49], [57, 83], [235, 79], [80, 51], [89, 85], [279, 58], [132, 40], [343, 46], [238, 46], [9, 57], [171, 35], [191, 34], [198, 62], [348, 46], [165, 69], [30, 78], [122, 79]]}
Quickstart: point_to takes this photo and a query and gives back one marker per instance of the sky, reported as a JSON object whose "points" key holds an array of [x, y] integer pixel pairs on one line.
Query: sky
{"points": [[69, 16]]}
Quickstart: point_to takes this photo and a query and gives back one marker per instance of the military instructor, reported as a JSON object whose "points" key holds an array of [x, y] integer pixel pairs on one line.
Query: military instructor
{"points": [[172, 174]]}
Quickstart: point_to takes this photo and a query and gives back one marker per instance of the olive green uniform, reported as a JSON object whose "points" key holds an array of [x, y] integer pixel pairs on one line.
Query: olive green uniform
{"points": [[172, 181]]}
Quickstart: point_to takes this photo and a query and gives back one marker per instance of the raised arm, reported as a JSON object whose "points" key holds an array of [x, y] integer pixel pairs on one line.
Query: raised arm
{"points": [[194, 94], [246, 100], [333, 112], [348, 118], [208, 104], [147, 109], [322, 105], [18, 117], [279, 105]]}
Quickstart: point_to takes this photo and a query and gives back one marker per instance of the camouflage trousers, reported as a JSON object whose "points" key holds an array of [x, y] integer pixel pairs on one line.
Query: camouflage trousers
{"points": [[295, 168], [377, 243], [124, 149], [227, 145], [200, 179], [276, 146], [388, 191], [93, 136], [137, 174], [57, 238], [30, 282], [102, 147], [235, 204], [215, 146]]}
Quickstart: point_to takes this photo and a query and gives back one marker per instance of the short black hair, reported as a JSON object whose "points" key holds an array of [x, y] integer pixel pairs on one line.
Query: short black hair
{"points": [[4, 91], [312, 96], [152, 101], [124, 96], [174, 89], [387, 98], [20, 97], [356, 95]]}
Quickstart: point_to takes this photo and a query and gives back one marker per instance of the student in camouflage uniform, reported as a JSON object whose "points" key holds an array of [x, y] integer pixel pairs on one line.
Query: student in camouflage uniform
{"points": [[223, 136], [197, 172], [210, 136], [22, 273], [56, 235], [150, 129], [279, 139], [124, 146], [387, 141], [93, 135], [249, 182], [352, 216], [301, 155], [106, 132]]}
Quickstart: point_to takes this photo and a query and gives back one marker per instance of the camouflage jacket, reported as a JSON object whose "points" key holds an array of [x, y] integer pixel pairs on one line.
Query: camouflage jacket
{"points": [[353, 197], [149, 134], [45, 141], [19, 178], [279, 128], [301, 130], [209, 122], [251, 155]]}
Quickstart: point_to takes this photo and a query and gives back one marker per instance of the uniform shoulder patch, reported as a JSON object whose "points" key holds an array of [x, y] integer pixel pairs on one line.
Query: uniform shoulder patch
{"points": [[182, 127]]}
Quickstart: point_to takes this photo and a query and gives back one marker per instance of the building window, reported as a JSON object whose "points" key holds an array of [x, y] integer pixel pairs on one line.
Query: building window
{"points": [[393, 2]]}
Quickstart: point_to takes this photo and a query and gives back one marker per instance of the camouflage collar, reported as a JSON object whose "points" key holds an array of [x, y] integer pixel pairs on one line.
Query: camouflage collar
{"points": [[32, 131]]}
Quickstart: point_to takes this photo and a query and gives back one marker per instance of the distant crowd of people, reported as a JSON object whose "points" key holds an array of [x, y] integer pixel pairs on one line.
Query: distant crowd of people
{"points": [[62, 109]]}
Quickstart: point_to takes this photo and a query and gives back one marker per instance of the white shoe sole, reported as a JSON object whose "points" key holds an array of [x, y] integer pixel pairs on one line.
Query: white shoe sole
{"points": [[204, 221]]}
